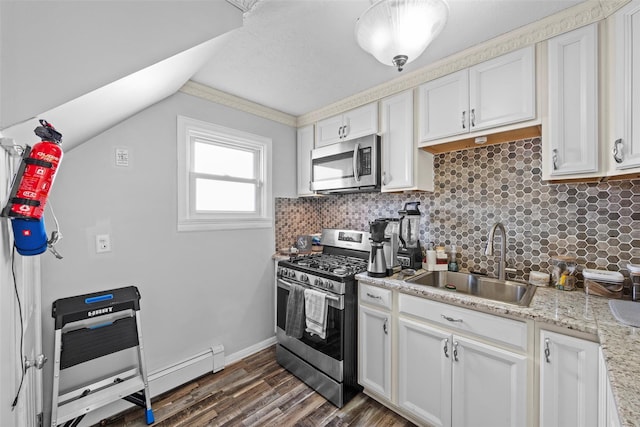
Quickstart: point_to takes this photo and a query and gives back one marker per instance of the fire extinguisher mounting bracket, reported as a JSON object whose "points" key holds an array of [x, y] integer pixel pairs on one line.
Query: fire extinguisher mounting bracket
{"points": [[11, 147]]}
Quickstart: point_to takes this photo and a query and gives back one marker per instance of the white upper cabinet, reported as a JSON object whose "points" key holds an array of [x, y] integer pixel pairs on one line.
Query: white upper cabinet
{"points": [[502, 90], [443, 106], [571, 129], [358, 122], [404, 166], [488, 95], [305, 145], [625, 144]]}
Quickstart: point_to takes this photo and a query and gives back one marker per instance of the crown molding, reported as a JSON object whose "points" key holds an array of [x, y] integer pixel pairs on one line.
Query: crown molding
{"points": [[220, 97], [577, 16]]}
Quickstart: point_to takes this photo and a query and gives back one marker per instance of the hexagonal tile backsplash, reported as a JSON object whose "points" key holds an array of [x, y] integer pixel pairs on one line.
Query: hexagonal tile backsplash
{"points": [[599, 223]]}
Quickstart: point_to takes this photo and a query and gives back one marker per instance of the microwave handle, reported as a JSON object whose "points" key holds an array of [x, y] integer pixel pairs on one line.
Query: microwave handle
{"points": [[356, 162]]}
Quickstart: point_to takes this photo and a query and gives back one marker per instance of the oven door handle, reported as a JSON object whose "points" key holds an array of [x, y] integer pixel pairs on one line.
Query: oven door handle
{"points": [[332, 298]]}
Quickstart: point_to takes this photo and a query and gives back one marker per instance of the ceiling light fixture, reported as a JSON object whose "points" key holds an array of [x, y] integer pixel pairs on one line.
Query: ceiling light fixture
{"points": [[396, 32]]}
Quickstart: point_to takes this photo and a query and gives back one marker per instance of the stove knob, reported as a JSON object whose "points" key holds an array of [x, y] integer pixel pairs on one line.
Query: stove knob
{"points": [[329, 284], [318, 282], [292, 274], [304, 278]]}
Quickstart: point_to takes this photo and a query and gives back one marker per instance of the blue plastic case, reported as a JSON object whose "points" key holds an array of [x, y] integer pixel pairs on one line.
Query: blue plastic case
{"points": [[30, 236]]}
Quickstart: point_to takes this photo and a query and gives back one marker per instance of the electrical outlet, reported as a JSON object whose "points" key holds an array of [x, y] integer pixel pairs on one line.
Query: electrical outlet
{"points": [[103, 243]]}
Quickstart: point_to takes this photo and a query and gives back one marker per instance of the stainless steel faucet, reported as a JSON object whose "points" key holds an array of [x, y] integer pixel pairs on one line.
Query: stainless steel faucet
{"points": [[503, 248]]}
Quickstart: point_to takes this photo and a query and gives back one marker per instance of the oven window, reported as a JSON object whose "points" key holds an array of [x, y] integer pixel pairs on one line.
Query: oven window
{"points": [[333, 344]]}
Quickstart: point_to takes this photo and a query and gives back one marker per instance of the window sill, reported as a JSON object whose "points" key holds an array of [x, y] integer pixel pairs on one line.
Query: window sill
{"points": [[212, 225]]}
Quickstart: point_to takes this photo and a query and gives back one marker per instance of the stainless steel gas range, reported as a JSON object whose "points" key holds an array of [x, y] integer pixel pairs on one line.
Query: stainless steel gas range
{"points": [[329, 364]]}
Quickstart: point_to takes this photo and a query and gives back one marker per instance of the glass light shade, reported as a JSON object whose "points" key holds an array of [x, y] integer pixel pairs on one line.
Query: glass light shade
{"points": [[396, 32]]}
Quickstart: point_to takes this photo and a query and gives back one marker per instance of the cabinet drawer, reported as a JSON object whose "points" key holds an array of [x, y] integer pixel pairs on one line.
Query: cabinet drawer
{"points": [[375, 296], [507, 332]]}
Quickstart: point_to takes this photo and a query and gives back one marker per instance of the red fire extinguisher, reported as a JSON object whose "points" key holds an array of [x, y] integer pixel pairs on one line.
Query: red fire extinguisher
{"points": [[36, 175]]}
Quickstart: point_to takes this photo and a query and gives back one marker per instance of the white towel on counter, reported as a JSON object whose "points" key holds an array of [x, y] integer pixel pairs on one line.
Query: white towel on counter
{"points": [[315, 307]]}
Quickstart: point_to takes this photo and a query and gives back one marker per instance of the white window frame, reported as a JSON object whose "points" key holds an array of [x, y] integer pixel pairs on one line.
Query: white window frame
{"points": [[192, 130]]}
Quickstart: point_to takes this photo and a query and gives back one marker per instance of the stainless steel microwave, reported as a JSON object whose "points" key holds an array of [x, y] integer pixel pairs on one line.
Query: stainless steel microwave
{"points": [[348, 166]]}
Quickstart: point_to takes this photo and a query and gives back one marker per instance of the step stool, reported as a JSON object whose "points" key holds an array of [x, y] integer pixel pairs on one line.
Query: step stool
{"points": [[88, 327]]}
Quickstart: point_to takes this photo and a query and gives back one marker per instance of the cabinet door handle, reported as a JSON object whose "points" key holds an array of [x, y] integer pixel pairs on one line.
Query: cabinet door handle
{"points": [[473, 117], [547, 350], [455, 351], [618, 156], [554, 158], [384, 178], [446, 348], [464, 121], [340, 132], [450, 319], [384, 327]]}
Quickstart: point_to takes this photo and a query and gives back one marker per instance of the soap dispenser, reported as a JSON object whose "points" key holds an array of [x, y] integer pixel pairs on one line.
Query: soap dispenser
{"points": [[453, 265]]}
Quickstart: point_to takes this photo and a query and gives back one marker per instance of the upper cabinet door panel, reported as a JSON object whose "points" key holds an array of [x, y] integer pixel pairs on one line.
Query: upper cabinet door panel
{"points": [[443, 106], [397, 142], [328, 131], [362, 121], [573, 102], [358, 122], [626, 145], [502, 90], [305, 145]]}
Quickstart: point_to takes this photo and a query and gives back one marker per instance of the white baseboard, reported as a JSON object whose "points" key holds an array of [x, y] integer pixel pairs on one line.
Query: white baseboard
{"points": [[239, 355]]}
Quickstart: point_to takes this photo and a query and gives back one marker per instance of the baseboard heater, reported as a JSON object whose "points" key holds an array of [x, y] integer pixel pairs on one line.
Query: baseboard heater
{"points": [[205, 362]]}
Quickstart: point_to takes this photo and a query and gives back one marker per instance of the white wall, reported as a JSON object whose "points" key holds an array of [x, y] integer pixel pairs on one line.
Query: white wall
{"points": [[198, 288]]}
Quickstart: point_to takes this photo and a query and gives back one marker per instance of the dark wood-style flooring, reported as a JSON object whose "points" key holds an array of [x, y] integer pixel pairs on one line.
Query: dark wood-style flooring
{"points": [[256, 391]]}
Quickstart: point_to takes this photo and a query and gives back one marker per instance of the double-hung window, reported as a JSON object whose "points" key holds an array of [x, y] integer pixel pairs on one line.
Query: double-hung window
{"points": [[224, 177]]}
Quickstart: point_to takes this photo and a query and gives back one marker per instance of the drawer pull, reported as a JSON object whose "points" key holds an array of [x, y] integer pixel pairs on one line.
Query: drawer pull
{"points": [[547, 350], [450, 319], [373, 296]]}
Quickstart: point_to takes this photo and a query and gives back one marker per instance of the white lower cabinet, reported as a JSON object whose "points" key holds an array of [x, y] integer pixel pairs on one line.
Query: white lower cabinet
{"points": [[374, 350], [442, 365], [568, 381], [607, 409], [424, 372], [449, 380], [489, 385]]}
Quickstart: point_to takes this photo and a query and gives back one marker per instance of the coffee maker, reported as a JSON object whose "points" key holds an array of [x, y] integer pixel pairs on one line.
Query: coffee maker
{"points": [[377, 264], [410, 251], [391, 245]]}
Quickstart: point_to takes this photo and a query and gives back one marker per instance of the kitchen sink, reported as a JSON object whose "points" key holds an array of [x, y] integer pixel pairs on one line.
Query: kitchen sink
{"points": [[506, 291]]}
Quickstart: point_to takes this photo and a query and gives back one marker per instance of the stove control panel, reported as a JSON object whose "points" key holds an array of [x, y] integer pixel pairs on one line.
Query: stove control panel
{"points": [[309, 279]]}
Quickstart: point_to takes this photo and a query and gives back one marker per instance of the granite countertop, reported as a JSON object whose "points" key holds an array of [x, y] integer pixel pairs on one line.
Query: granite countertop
{"points": [[572, 310]]}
